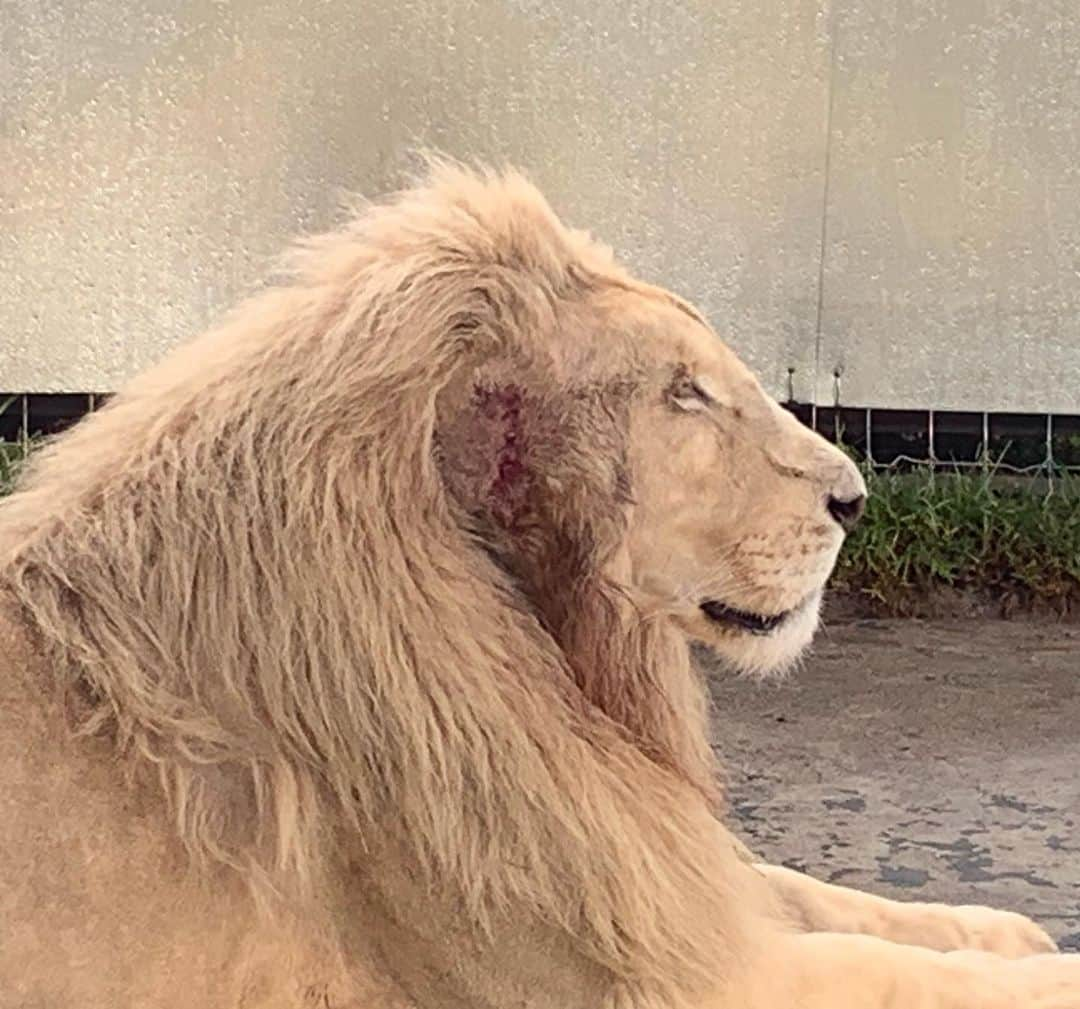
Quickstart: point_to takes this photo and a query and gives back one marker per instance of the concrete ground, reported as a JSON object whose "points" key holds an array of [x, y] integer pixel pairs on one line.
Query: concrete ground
{"points": [[918, 760]]}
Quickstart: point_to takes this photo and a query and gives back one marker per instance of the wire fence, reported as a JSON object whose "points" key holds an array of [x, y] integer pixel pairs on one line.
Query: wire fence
{"points": [[25, 415], [1017, 444]]}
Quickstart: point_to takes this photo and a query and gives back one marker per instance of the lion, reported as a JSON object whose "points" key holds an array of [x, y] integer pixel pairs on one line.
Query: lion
{"points": [[346, 656]]}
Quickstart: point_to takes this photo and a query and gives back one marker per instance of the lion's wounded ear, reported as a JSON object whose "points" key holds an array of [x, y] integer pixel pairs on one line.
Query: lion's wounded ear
{"points": [[488, 445]]}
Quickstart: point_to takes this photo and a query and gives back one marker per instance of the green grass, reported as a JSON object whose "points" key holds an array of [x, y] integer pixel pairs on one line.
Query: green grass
{"points": [[1009, 540], [12, 454]]}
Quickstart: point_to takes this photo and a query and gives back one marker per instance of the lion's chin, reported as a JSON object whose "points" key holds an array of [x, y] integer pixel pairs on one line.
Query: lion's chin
{"points": [[755, 644]]}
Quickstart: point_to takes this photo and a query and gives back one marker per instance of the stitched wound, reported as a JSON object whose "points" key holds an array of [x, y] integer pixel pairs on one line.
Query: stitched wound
{"points": [[508, 491]]}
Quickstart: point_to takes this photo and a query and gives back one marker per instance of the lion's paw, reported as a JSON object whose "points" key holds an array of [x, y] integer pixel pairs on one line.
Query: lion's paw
{"points": [[1005, 933], [1047, 981]]}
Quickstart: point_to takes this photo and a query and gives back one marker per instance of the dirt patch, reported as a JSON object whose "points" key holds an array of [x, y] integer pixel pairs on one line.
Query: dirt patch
{"points": [[926, 760], [946, 602]]}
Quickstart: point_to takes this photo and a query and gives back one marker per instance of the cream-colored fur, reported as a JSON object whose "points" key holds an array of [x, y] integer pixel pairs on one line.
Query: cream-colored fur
{"points": [[345, 655]]}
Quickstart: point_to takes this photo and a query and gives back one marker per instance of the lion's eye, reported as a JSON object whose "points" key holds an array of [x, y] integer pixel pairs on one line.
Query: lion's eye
{"points": [[688, 394]]}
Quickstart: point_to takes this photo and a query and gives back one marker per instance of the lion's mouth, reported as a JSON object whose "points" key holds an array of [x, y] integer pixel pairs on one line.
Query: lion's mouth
{"points": [[755, 623]]}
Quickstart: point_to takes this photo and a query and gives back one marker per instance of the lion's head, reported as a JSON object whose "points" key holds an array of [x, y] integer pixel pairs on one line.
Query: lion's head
{"points": [[411, 549], [621, 438]]}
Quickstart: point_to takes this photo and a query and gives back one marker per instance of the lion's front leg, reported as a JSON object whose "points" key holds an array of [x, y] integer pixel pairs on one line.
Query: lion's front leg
{"points": [[840, 971], [814, 906]]}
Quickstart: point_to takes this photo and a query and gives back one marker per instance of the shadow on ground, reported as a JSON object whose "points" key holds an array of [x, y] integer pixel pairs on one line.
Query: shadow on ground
{"points": [[918, 760]]}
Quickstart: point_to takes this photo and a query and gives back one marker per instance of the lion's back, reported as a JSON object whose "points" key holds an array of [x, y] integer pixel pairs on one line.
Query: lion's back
{"points": [[88, 886], [97, 906], [71, 854]]}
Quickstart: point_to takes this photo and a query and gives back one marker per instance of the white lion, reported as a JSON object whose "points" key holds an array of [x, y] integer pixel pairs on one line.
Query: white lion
{"points": [[345, 657]]}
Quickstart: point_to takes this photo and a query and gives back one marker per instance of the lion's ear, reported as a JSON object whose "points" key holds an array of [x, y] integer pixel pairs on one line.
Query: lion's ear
{"points": [[494, 433], [527, 452], [541, 474]]}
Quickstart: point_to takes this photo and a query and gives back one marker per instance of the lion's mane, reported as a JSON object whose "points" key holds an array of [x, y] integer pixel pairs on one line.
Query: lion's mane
{"points": [[247, 570]]}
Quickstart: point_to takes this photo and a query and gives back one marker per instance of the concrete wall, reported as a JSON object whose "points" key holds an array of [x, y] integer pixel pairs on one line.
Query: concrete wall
{"points": [[952, 262], [156, 155]]}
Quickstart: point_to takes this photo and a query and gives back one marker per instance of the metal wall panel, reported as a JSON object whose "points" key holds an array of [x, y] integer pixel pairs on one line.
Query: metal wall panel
{"points": [[952, 265], [157, 154]]}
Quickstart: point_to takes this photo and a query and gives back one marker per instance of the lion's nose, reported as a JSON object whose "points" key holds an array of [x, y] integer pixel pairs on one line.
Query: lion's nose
{"points": [[846, 511]]}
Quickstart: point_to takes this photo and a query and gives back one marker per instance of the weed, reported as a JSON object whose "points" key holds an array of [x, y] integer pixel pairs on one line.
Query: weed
{"points": [[10, 457], [977, 532]]}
